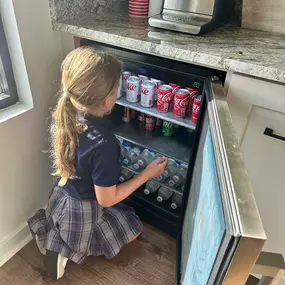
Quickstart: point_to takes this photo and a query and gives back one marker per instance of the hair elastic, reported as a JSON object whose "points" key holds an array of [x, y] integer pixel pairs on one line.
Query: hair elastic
{"points": [[66, 93]]}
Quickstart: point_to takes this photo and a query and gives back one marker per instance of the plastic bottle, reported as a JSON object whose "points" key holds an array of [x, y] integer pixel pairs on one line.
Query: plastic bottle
{"points": [[145, 158], [176, 201], [125, 175], [179, 177], [163, 194], [131, 156], [171, 168], [151, 187]]}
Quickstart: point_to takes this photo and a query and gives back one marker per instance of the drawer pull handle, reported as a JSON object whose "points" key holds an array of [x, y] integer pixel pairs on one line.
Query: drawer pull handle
{"points": [[269, 132]]}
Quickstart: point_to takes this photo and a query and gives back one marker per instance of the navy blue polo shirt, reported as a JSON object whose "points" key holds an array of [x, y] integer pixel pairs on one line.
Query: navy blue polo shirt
{"points": [[97, 161]]}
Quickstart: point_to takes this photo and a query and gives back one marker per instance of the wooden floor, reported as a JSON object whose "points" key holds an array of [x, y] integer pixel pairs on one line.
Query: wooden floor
{"points": [[148, 260]]}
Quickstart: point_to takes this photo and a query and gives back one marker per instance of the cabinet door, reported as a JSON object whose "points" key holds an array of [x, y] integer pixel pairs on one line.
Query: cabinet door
{"points": [[222, 234]]}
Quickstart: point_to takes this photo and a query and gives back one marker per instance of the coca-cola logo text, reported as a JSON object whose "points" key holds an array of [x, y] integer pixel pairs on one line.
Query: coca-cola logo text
{"points": [[196, 109], [125, 77], [165, 97], [131, 87], [181, 102], [145, 91]]}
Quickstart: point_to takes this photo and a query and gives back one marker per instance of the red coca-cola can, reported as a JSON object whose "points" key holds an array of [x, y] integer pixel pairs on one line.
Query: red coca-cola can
{"points": [[193, 94], [132, 94], [125, 76], [149, 123], [164, 98], [174, 87], [196, 109], [127, 115], [157, 83], [181, 102], [147, 93]]}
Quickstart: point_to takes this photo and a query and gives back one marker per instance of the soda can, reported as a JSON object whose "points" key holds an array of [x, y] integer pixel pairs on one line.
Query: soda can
{"points": [[147, 92], [157, 83], [149, 123], [132, 94], [181, 102], [158, 122], [196, 109], [174, 87], [127, 115], [141, 117], [125, 76], [168, 129], [133, 114], [120, 91], [142, 79], [164, 98], [193, 94]]}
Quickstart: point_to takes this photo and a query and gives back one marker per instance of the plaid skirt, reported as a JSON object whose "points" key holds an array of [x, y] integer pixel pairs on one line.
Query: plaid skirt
{"points": [[79, 228]]}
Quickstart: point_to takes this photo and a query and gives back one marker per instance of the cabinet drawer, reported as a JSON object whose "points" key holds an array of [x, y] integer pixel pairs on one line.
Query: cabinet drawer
{"points": [[265, 160]]}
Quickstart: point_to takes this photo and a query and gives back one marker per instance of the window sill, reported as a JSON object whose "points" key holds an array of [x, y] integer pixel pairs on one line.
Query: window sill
{"points": [[13, 111]]}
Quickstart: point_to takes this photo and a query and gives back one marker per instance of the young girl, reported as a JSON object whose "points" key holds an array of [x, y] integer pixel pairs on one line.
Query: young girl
{"points": [[84, 215]]}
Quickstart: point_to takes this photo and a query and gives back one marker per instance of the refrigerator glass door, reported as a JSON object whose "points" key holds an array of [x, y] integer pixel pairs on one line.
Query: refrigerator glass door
{"points": [[222, 234]]}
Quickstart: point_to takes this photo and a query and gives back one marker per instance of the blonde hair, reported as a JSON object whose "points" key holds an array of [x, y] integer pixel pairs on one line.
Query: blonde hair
{"points": [[88, 78]]}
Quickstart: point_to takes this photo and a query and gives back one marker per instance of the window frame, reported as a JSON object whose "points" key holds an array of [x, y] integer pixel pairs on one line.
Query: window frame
{"points": [[8, 69]]}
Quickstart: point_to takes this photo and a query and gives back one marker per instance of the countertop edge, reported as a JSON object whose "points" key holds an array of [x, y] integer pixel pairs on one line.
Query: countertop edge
{"points": [[175, 53]]}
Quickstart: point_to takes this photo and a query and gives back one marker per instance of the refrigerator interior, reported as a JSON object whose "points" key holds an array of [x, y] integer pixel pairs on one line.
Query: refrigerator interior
{"points": [[178, 147]]}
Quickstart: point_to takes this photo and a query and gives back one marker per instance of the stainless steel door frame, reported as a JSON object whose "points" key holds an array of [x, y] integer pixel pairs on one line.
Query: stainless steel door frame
{"points": [[246, 221]]}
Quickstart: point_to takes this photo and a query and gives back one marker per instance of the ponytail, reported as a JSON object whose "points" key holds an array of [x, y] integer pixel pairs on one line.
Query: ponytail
{"points": [[64, 132]]}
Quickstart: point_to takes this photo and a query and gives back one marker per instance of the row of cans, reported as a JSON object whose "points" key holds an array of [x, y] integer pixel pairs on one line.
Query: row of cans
{"points": [[185, 101], [150, 123]]}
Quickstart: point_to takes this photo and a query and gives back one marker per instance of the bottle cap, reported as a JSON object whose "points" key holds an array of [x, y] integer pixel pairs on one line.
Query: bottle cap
{"points": [[136, 166], [173, 206], [175, 178], [146, 191], [159, 199], [126, 161]]}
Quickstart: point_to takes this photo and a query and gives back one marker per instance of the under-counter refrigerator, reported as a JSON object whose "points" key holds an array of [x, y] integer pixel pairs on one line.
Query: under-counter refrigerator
{"points": [[217, 226]]}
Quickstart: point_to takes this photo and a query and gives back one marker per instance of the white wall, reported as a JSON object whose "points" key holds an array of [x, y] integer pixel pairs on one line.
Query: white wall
{"points": [[25, 179]]}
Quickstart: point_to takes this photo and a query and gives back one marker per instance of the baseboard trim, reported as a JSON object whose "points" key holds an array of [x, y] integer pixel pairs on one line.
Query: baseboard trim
{"points": [[10, 245]]}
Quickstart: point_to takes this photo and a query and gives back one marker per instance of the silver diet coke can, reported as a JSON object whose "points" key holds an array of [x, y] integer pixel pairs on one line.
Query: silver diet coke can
{"points": [[119, 94], [147, 93], [132, 93], [125, 76], [157, 83]]}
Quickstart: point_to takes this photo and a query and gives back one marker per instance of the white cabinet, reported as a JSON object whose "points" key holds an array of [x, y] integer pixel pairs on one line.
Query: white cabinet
{"points": [[255, 105]]}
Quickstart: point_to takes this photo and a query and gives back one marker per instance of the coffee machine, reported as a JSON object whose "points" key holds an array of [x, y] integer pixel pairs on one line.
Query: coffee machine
{"points": [[193, 16]]}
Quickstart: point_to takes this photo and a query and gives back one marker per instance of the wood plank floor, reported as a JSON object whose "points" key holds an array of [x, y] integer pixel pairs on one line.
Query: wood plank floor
{"points": [[148, 260]]}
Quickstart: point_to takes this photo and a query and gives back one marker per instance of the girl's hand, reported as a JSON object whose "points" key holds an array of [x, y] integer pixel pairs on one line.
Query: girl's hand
{"points": [[156, 168]]}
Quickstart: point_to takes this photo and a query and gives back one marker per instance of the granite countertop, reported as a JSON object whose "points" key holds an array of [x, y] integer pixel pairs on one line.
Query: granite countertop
{"points": [[255, 53]]}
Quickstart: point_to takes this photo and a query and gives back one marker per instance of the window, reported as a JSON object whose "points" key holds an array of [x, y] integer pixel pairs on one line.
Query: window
{"points": [[8, 89]]}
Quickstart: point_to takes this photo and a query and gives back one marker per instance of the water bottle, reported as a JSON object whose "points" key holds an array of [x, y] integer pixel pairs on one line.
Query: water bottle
{"points": [[170, 169], [125, 175], [146, 157], [163, 194], [179, 177], [176, 201], [151, 187], [131, 156]]}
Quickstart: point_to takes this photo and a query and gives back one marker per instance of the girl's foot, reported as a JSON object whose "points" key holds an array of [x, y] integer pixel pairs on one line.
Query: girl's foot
{"points": [[55, 264], [40, 246]]}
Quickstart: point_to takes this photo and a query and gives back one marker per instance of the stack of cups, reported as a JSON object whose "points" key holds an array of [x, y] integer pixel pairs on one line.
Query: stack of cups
{"points": [[138, 8]]}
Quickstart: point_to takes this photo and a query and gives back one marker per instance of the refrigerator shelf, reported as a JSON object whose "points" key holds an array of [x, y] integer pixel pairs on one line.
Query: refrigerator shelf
{"points": [[161, 184], [152, 111], [151, 199], [178, 146]]}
